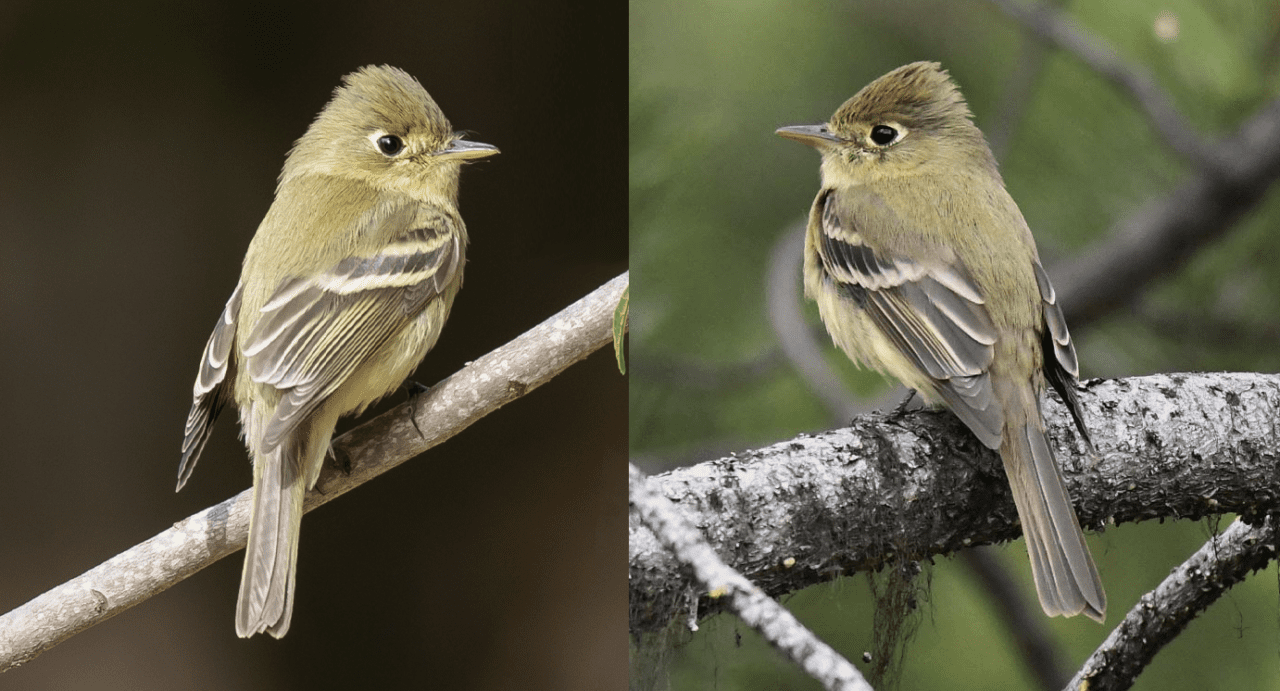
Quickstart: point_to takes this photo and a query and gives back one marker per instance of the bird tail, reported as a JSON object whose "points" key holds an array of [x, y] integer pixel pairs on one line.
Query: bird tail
{"points": [[1066, 579], [270, 560]]}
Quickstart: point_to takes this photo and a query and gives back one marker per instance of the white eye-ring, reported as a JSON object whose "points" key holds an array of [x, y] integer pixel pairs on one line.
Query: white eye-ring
{"points": [[387, 144], [887, 133]]}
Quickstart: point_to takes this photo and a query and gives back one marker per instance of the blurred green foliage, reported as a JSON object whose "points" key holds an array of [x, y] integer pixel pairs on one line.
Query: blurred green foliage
{"points": [[712, 191]]}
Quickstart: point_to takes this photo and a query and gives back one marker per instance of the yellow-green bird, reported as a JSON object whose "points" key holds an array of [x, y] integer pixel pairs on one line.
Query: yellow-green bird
{"points": [[344, 289], [924, 269]]}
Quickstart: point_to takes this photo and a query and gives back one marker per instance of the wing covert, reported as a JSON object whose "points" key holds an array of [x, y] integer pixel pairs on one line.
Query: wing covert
{"points": [[934, 314], [315, 331]]}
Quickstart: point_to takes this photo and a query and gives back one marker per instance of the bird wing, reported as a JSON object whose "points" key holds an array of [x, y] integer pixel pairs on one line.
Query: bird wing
{"points": [[314, 331], [210, 391], [1061, 368], [932, 312]]}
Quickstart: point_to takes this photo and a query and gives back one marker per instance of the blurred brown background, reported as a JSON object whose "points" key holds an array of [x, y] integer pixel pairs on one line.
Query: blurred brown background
{"points": [[139, 146]]}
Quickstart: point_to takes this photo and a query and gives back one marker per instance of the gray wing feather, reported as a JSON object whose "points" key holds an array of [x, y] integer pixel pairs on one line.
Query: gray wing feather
{"points": [[315, 331], [210, 392], [1061, 368], [1063, 350], [935, 315]]}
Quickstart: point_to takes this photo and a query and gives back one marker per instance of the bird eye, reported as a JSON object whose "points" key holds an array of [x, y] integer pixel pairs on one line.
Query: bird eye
{"points": [[390, 145], [883, 135]]}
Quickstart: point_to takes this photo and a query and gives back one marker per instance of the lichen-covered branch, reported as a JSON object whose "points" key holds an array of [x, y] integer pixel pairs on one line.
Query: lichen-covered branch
{"points": [[1163, 613], [759, 611], [1168, 446]]}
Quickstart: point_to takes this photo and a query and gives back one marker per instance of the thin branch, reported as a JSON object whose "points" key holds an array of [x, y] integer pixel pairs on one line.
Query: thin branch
{"points": [[373, 448], [1059, 29], [778, 626], [1016, 95], [1160, 237], [1232, 176], [1218, 330], [794, 335], [1023, 620], [700, 375], [1163, 613], [919, 484]]}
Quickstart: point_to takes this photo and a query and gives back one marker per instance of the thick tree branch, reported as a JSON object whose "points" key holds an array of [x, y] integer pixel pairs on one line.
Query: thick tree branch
{"points": [[759, 611], [1168, 446], [1163, 613], [373, 448]]}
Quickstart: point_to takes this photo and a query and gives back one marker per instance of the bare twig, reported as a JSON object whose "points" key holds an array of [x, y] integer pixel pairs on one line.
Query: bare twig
{"points": [[688, 373], [373, 448], [1232, 176], [1163, 613], [1016, 95], [1023, 620], [794, 335], [1058, 28], [1158, 238], [778, 626]]}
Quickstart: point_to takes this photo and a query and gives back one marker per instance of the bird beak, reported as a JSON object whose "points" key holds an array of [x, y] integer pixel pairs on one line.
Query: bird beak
{"points": [[817, 136], [466, 150]]}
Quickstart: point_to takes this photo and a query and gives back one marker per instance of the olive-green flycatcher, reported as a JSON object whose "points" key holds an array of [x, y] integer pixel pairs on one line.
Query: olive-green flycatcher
{"points": [[923, 268], [344, 289]]}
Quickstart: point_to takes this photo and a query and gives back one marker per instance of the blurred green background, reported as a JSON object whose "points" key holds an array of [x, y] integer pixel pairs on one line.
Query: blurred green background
{"points": [[713, 191]]}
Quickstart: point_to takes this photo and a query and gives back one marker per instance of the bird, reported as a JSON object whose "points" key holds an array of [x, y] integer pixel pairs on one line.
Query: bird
{"points": [[923, 268], [344, 289]]}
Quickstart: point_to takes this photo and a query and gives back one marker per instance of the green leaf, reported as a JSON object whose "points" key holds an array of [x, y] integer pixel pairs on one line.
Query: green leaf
{"points": [[620, 316]]}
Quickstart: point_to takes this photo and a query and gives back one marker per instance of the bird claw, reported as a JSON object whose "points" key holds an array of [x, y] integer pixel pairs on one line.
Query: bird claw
{"points": [[412, 389]]}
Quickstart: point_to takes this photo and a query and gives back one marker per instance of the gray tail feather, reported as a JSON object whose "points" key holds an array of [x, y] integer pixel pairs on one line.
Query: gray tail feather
{"points": [[1066, 579], [266, 584]]}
